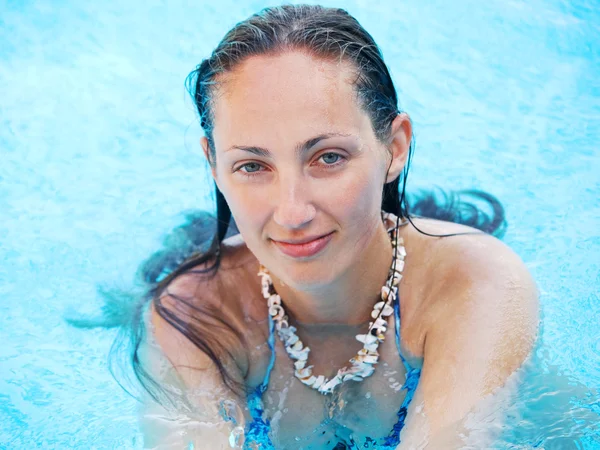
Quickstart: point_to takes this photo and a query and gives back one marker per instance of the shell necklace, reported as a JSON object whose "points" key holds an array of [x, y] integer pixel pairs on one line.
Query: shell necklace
{"points": [[362, 365]]}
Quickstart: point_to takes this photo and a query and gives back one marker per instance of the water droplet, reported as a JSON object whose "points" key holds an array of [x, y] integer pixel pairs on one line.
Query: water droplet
{"points": [[231, 412], [236, 438]]}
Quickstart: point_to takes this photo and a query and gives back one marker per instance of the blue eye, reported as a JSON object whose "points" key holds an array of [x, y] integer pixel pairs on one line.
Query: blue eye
{"points": [[330, 158], [251, 167]]}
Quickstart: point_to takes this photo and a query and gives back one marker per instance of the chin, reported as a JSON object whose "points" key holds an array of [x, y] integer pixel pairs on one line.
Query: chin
{"points": [[307, 274]]}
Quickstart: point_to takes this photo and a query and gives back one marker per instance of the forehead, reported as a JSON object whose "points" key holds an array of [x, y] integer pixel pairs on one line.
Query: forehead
{"points": [[289, 95]]}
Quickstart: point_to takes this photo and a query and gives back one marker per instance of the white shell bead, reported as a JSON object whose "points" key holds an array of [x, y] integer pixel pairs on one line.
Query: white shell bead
{"points": [[309, 381], [304, 372], [387, 310], [373, 346], [378, 332], [276, 311], [299, 355], [274, 300], [319, 381], [370, 359], [285, 335], [380, 322], [366, 338], [330, 385], [367, 359], [392, 297], [265, 290], [385, 292], [293, 339]]}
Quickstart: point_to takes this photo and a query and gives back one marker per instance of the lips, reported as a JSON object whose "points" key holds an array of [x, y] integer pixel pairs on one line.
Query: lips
{"points": [[305, 247]]}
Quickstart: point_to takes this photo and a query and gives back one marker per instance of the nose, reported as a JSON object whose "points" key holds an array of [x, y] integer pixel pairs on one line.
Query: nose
{"points": [[293, 209]]}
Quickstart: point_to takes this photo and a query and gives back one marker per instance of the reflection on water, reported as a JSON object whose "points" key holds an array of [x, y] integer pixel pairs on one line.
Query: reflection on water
{"points": [[551, 411]]}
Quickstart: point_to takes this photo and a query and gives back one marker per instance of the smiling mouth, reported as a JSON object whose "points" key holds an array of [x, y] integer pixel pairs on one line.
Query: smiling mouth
{"points": [[305, 248]]}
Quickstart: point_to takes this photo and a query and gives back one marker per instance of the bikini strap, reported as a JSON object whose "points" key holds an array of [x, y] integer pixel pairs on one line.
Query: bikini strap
{"points": [[271, 341], [397, 330], [255, 404]]}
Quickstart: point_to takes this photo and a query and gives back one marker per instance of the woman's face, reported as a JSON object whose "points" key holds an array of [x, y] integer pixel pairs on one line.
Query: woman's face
{"points": [[297, 160]]}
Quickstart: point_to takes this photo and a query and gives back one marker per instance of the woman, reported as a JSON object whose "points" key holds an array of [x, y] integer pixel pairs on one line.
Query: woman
{"points": [[334, 319]]}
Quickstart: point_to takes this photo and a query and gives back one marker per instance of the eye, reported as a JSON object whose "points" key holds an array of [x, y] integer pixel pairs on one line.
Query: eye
{"points": [[331, 158], [251, 167]]}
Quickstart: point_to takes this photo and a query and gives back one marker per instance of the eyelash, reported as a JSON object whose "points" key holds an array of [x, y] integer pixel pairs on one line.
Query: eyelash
{"points": [[253, 174]]}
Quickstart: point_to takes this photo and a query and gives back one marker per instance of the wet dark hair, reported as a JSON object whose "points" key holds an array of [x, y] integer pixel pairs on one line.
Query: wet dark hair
{"points": [[325, 33]]}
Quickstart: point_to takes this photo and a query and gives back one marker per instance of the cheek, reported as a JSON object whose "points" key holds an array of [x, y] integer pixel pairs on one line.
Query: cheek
{"points": [[249, 211], [354, 197], [356, 204]]}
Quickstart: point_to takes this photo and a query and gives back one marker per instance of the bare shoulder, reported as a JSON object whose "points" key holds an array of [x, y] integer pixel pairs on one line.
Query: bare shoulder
{"points": [[478, 318], [212, 304], [479, 258], [474, 258], [470, 272], [224, 285]]}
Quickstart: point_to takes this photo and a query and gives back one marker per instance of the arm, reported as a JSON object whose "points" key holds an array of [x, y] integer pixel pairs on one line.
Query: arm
{"points": [[481, 326], [197, 418]]}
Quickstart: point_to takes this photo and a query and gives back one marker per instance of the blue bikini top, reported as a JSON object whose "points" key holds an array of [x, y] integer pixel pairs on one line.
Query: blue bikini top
{"points": [[257, 430]]}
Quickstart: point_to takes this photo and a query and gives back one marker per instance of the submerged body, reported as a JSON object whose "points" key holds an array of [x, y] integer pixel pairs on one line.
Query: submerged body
{"points": [[307, 147], [445, 292]]}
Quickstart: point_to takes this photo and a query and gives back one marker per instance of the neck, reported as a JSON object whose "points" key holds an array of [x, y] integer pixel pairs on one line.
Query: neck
{"points": [[347, 300]]}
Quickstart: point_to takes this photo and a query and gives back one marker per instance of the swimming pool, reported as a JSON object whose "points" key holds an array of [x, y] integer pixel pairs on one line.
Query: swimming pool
{"points": [[100, 156]]}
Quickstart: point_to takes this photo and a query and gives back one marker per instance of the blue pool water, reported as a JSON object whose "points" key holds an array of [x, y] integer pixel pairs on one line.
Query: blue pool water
{"points": [[99, 157]]}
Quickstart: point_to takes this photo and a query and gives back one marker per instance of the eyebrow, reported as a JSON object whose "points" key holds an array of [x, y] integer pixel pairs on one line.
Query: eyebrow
{"points": [[301, 148]]}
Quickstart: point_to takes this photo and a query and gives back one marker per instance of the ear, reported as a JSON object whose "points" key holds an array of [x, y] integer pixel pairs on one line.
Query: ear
{"points": [[209, 158], [399, 144]]}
